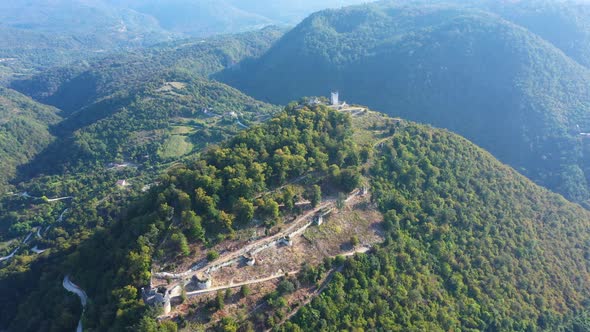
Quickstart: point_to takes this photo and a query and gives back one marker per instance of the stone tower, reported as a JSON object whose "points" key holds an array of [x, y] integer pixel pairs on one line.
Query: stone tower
{"points": [[335, 99]]}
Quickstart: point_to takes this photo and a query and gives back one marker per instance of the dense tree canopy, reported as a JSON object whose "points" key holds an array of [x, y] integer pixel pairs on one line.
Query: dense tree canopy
{"points": [[471, 246]]}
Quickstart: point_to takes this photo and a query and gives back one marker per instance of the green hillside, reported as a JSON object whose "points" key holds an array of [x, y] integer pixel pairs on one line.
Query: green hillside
{"points": [[136, 125], [492, 81], [36, 35], [565, 24], [24, 131], [170, 168], [470, 244], [158, 121], [81, 84]]}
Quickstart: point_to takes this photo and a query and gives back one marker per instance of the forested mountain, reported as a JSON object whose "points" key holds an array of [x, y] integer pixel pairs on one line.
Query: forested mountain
{"points": [[24, 131], [565, 24], [36, 35], [463, 68], [83, 83], [39, 34], [163, 119], [103, 157], [206, 17], [178, 202], [134, 133], [128, 116], [470, 244]]}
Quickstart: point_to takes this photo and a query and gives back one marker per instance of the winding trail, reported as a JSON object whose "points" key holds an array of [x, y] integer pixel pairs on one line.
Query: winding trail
{"points": [[296, 228], [278, 275], [73, 288]]}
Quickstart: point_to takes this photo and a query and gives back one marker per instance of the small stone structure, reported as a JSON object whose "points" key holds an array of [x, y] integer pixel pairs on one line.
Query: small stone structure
{"points": [[286, 241], [335, 99], [314, 102], [250, 259], [364, 191], [157, 297], [202, 281], [319, 219]]}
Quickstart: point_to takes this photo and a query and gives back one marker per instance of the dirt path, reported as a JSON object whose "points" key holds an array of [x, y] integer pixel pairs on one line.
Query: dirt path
{"points": [[277, 275]]}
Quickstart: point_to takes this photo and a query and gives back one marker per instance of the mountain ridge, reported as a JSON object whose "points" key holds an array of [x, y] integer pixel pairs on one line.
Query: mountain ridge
{"points": [[458, 68]]}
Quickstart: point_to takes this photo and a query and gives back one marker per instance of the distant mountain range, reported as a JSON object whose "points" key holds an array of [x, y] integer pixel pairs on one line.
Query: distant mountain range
{"points": [[38, 34], [156, 104]]}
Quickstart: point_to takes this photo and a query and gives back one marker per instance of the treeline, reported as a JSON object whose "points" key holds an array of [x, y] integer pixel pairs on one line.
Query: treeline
{"points": [[470, 246]]}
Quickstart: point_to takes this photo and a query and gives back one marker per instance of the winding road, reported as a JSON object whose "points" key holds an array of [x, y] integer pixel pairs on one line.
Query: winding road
{"points": [[2, 259], [36, 250], [28, 237], [73, 288], [26, 195], [242, 125], [59, 198]]}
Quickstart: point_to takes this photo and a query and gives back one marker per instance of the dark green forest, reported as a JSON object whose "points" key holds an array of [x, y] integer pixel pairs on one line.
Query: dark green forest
{"points": [[471, 246], [24, 131]]}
